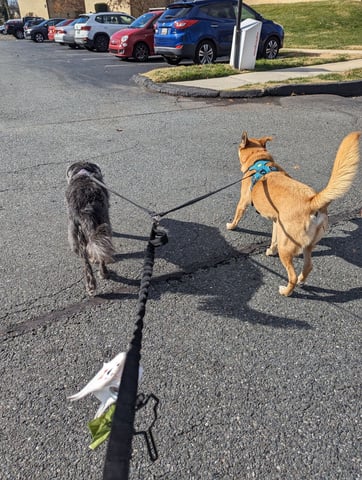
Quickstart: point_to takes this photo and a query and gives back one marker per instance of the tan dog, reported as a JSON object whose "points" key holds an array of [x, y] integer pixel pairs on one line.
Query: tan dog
{"points": [[299, 213]]}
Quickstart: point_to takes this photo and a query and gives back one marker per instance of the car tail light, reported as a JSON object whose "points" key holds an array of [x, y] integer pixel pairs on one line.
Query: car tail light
{"points": [[182, 24], [85, 28]]}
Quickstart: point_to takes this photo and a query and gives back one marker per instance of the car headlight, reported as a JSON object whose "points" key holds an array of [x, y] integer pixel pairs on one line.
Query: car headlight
{"points": [[124, 38]]}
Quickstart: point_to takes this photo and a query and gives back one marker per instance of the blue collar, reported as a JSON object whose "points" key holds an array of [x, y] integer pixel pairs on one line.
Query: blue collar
{"points": [[261, 168]]}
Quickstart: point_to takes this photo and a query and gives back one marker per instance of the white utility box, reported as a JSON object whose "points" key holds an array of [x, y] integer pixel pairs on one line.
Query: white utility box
{"points": [[246, 52]]}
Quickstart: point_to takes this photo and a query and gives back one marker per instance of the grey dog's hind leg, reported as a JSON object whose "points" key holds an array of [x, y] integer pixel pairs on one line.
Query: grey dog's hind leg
{"points": [[73, 237], [103, 270], [91, 284]]}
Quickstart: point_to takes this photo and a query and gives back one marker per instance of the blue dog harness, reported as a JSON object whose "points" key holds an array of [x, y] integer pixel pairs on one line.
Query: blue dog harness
{"points": [[261, 168]]}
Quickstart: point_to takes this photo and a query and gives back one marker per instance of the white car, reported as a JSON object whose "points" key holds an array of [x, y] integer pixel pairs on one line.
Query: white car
{"points": [[65, 34], [94, 30]]}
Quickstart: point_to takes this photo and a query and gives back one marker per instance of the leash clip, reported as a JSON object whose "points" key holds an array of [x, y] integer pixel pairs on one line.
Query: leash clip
{"points": [[156, 218], [141, 402]]}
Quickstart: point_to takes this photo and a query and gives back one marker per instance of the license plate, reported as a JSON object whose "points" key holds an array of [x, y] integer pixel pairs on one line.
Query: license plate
{"points": [[164, 31]]}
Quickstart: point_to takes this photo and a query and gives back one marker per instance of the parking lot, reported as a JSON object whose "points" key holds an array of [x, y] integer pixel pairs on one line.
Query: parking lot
{"points": [[251, 385]]}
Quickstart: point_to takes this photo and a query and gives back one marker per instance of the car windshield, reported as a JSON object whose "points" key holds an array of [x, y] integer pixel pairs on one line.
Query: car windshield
{"points": [[173, 13], [141, 21], [64, 22], [78, 20], [246, 12], [83, 19], [42, 23]]}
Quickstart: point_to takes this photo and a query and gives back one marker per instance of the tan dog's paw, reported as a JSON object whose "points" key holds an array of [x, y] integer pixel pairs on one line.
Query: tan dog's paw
{"points": [[230, 226], [301, 279], [270, 252], [285, 291]]}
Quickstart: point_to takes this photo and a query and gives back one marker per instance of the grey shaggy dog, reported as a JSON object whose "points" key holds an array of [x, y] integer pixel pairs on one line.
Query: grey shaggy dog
{"points": [[89, 227]]}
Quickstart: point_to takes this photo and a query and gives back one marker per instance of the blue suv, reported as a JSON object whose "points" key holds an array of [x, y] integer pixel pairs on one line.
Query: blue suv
{"points": [[202, 30]]}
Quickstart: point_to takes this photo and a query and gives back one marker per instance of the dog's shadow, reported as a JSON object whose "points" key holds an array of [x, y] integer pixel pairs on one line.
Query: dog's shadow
{"points": [[347, 247], [193, 247]]}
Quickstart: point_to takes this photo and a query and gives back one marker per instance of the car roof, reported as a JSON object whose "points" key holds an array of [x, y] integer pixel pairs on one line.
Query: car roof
{"points": [[103, 13]]}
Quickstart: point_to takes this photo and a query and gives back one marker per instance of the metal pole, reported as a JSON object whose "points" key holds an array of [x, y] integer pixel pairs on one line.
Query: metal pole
{"points": [[237, 35]]}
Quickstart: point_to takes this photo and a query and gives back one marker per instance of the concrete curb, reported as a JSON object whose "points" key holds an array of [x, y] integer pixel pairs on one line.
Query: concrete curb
{"points": [[176, 90], [343, 89]]}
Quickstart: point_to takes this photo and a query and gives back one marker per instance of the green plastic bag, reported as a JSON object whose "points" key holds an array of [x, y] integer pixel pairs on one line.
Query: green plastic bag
{"points": [[100, 428]]}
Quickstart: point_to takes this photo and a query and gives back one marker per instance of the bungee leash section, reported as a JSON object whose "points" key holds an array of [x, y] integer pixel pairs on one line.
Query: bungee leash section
{"points": [[119, 450]]}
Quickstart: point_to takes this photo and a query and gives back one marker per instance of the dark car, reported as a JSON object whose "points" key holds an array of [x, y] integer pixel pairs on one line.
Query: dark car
{"points": [[16, 26], [39, 33], [137, 40], [32, 23], [202, 30]]}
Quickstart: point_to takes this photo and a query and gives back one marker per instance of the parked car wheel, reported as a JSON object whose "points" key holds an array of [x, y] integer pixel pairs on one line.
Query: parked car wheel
{"points": [[141, 52], [271, 48], [205, 53], [38, 37], [72, 45], [19, 34], [101, 43], [172, 60]]}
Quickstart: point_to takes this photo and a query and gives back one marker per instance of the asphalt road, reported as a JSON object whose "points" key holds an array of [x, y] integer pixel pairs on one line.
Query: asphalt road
{"points": [[251, 385]]}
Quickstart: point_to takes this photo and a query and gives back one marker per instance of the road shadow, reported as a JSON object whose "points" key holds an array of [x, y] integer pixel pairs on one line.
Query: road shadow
{"points": [[194, 247], [348, 247]]}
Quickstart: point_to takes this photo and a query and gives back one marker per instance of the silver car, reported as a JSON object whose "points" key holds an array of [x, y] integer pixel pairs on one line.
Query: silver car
{"points": [[65, 35], [95, 29]]}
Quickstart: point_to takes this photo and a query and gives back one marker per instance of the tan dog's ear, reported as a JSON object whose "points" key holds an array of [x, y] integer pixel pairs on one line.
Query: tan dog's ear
{"points": [[263, 140], [244, 140]]}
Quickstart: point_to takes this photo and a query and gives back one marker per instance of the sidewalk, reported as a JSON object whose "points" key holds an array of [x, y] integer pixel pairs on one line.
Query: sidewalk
{"points": [[232, 86]]}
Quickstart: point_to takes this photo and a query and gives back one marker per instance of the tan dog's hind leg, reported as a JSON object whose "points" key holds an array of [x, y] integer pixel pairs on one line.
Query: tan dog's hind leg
{"points": [[240, 210], [307, 251], [307, 267], [273, 249], [287, 260], [287, 251]]}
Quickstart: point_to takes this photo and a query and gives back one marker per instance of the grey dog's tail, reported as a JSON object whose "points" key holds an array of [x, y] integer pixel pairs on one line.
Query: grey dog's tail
{"points": [[100, 247]]}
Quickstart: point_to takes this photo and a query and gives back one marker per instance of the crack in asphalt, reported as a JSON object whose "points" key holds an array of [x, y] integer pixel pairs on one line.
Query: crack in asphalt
{"points": [[108, 118], [131, 291], [121, 292]]}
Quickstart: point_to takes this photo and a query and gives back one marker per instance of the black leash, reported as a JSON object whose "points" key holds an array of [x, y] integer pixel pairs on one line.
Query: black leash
{"points": [[119, 450], [144, 209], [202, 197], [156, 216]]}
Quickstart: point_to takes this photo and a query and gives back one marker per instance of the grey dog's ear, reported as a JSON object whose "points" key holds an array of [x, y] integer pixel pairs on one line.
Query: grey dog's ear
{"points": [[244, 139], [98, 168], [68, 172]]}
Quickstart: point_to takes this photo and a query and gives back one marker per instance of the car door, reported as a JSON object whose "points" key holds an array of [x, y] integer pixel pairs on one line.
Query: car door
{"points": [[221, 21]]}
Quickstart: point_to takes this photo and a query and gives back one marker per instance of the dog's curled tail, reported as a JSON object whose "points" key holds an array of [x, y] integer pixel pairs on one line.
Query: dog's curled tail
{"points": [[343, 172], [100, 247]]}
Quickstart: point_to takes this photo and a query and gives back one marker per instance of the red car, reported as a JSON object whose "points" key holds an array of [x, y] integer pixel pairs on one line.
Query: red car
{"points": [[51, 29], [137, 40]]}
